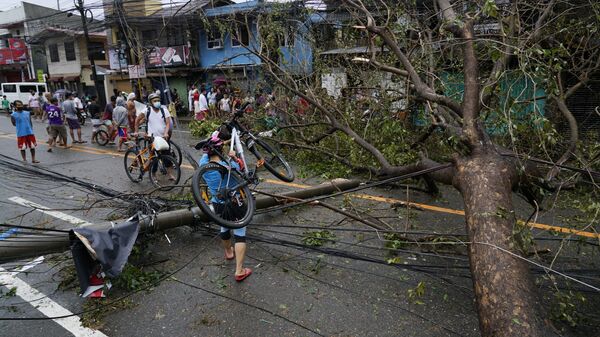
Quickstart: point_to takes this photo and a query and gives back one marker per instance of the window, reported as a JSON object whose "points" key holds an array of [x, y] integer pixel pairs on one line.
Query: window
{"points": [[27, 88], [53, 48], [41, 88], [175, 37], [96, 50], [241, 35], [9, 88], [70, 51], [214, 40], [149, 36]]}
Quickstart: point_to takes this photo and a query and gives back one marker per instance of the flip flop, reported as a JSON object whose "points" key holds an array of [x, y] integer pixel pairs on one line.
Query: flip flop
{"points": [[247, 272], [35, 161]]}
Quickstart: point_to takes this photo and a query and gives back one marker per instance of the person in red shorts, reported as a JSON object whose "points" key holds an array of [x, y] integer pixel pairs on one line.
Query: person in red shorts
{"points": [[21, 119]]}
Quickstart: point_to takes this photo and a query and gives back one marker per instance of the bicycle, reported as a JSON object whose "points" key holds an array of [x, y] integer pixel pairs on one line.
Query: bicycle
{"points": [[174, 148], [151, 160], [101, 137], [221, 190]]}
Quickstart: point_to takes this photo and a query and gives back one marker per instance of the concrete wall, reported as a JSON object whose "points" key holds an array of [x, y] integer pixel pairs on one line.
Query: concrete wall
{"points": [[63, 67]]}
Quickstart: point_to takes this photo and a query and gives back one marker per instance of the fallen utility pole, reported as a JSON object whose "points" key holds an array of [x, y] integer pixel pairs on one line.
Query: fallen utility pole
{"points": [[26, 246]]}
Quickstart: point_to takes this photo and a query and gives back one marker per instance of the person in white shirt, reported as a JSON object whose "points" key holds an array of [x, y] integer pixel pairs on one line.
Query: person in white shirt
{"points": [[202, 106], [78, 103], [159, 119], [225, 104], [34, 105], [191, 98], [159, 124]]}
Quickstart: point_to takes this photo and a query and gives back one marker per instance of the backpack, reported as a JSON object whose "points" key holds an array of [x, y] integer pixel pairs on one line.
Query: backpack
{"points": [[162, 111]]}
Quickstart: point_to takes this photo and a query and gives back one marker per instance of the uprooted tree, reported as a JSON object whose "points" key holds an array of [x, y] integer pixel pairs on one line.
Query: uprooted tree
{"points": [[455, 63]]}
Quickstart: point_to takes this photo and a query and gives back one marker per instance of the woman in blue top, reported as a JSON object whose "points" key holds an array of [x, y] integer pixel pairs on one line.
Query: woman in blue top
{"points": [[213, 180], [21, 119]]}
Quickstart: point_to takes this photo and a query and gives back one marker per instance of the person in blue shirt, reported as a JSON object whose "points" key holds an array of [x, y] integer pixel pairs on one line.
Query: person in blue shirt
{"points": [[21, 119], [213, 180]]}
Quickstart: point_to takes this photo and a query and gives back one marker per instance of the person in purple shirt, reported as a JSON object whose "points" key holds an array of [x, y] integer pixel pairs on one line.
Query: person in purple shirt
{"points": [[56, 126]]}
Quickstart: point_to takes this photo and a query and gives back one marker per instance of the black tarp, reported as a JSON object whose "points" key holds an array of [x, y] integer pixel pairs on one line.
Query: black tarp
{"points": [[108, 247]]}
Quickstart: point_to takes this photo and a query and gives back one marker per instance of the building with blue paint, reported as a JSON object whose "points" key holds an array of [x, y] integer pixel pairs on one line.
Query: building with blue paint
{"points": [[230, 41]]}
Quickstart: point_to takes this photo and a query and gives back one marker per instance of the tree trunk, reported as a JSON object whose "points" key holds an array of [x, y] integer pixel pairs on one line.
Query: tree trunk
{"points": [[506, 297]]}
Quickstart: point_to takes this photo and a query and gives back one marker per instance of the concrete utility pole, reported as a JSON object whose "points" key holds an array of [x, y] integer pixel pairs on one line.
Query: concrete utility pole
{"points": [[83, 12], [26, 246]]}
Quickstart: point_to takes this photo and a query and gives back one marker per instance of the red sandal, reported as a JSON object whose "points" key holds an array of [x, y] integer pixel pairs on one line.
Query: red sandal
{"points": [[247, 272]]}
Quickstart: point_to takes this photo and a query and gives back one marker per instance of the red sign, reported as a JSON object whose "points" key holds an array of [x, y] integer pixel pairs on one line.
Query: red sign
{"points": [[168, 56], [16, 53]]}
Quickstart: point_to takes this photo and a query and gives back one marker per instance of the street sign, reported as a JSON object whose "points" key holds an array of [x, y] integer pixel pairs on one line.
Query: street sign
{"points": [[136, 71]]}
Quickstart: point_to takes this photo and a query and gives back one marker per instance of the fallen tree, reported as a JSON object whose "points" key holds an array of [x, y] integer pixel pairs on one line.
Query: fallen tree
{"points": [[419, 44]]}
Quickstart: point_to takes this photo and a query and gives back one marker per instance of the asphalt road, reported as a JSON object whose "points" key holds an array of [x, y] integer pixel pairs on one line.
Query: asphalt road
{"points": [[345, 287]]}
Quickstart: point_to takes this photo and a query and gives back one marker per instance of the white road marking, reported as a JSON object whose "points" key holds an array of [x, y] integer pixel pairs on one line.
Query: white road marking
{"points": [[47, 306], [59, 215], [43, 303]]}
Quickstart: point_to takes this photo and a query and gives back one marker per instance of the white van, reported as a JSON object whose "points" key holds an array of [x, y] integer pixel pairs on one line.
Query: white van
{"points": [[22, 90]]}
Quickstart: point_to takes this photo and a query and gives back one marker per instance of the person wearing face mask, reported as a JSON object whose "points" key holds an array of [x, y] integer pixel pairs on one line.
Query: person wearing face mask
{"points": [[21, 119], [158, 122], [158, 118]]}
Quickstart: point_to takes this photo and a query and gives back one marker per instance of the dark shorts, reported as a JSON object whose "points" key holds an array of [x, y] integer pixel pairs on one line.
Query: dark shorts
{"points": [[57, 130], [73, 124]]}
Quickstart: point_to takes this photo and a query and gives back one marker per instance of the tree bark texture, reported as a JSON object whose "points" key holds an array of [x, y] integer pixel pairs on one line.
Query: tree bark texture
{"points": [[506, 298]]}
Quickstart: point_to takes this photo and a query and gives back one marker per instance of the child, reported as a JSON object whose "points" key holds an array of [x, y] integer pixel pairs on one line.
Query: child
{"points": [[25, 138]]}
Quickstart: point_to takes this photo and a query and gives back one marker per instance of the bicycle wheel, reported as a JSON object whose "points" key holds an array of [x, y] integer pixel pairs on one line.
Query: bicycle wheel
{"points": [[164, 172], [176, 152], [218, 193], [133, 166], [102, 137], [274, 161]]}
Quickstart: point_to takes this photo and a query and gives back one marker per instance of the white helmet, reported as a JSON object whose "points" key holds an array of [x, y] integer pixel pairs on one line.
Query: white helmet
{"points": [[160, 144]]}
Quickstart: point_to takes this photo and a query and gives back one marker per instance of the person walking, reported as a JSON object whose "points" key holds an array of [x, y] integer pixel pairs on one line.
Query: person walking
{"points": [[21, 119], [56, 127], [131, 111], [70, 110], [95, 111], [34, 105], [107, 118], [120, 121], [236, 249]]}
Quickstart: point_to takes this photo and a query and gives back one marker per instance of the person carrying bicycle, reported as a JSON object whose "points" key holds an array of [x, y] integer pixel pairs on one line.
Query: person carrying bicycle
{"points": [[158, 122], [212, 151]]}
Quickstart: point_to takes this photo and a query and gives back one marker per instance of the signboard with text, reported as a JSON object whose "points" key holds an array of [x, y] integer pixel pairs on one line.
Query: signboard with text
{"points": [[15, 53], [136, 71], [116, 60], [168, 56]]}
